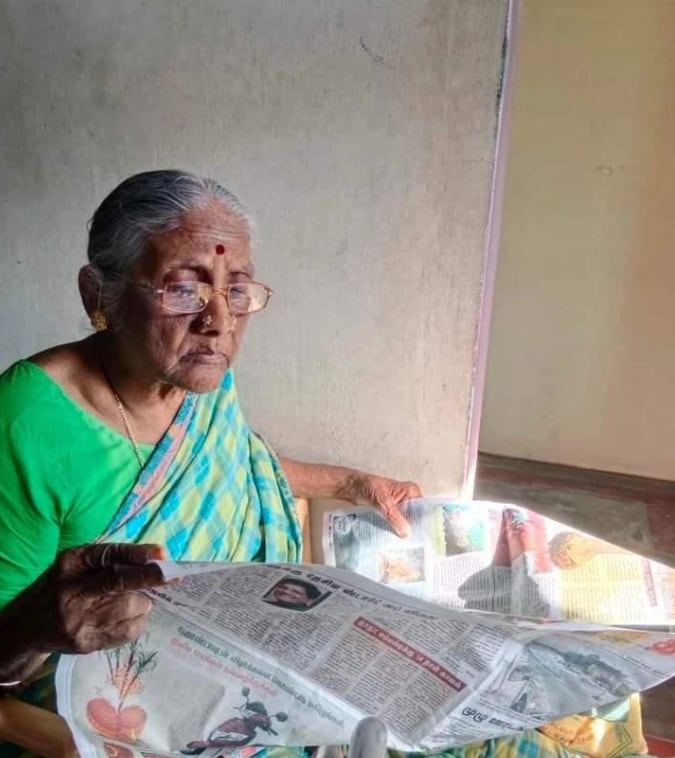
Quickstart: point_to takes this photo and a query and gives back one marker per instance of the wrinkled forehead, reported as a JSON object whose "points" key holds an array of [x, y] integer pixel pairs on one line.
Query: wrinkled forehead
{"points": [[215, 223], [203, 233]]}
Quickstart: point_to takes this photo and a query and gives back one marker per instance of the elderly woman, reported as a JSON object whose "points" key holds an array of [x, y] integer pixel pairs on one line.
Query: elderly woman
{"points": [[130, 444], [135, 434]]}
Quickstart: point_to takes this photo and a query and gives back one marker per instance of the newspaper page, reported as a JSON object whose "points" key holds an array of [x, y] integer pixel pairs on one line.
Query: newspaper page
{"points": [[501, 558], [242, 655]]}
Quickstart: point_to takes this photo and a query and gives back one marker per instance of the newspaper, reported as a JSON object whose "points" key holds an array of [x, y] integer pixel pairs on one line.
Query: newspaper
{"points": [[242, 655], [501, 558]]}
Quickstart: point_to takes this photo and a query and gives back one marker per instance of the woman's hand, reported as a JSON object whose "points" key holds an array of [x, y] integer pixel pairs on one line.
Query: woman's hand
{"points": [[88, 600], [386, 495], [318, 480]]}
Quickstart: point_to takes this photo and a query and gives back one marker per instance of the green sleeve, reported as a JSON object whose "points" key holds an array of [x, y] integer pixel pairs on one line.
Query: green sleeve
{"points": [[63, 475], [29, 509]]}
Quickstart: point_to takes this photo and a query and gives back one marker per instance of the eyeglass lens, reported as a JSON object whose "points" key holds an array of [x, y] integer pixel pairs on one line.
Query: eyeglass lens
{"points": [[192, 297]]}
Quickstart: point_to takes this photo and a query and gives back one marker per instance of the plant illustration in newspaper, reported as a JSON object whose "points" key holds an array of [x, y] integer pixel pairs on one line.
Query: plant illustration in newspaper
{"points": [[127, 666]]}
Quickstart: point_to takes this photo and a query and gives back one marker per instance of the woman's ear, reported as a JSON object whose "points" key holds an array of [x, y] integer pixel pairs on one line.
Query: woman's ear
{"points": [[91, 286]]}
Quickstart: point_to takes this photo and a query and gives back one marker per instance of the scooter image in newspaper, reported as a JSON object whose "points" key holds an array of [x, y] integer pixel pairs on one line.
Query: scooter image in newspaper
{"points": [[239, 730]]}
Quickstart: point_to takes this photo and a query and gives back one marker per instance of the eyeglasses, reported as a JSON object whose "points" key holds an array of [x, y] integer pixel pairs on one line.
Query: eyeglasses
{"points": [[242, 298]]}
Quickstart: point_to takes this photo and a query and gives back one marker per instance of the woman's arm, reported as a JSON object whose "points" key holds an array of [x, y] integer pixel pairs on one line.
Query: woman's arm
{"points": [[318, 480]]}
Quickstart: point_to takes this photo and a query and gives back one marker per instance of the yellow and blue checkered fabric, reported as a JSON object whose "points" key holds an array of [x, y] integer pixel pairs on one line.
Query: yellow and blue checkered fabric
{"points": [[212, 490]]}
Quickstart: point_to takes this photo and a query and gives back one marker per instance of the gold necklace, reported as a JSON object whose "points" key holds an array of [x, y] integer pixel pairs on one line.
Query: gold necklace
{"points": [[123, 414], [127, 426]]}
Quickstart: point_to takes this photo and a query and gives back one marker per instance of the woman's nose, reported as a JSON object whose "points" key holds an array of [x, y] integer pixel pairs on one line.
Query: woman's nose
{"points": [[217, 316]]}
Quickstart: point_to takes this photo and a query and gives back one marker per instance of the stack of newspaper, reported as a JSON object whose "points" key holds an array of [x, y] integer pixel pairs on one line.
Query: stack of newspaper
{"points": [[437, 643]]}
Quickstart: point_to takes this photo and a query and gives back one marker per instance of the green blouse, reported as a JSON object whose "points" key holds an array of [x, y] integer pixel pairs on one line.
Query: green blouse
{"points": [[63, 475]]}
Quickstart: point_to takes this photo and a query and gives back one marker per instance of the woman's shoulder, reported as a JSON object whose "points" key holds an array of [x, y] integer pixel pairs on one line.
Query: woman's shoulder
{"points": [[20, 381], [35, 381], [61, 361]]}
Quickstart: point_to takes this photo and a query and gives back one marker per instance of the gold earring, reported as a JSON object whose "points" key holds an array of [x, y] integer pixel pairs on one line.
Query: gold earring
{"points": [[99, 320]]}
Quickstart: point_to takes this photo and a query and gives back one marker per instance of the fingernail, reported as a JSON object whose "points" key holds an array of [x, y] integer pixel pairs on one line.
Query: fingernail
{"points": [[403, 531]]}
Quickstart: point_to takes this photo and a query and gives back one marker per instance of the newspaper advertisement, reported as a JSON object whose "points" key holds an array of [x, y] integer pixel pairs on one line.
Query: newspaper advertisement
{"points": [[241, 655], [501, 558]]}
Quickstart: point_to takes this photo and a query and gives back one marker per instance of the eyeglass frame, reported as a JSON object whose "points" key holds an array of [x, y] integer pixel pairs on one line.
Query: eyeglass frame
{"points": [[158, 292]]}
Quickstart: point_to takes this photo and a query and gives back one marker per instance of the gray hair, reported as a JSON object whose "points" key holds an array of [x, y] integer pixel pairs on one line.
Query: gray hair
{"points": [[149, 203]]}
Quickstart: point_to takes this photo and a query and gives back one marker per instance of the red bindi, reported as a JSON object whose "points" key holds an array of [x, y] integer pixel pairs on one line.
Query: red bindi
{"points": [[220, 249]]}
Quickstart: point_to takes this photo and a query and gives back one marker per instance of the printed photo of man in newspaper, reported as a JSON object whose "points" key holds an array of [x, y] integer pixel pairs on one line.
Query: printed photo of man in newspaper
{"points": [[295, 594]]}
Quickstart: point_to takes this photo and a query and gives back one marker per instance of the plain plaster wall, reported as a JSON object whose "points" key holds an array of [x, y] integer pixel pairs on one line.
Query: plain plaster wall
{"points": [[581, 365], [361, 135]]}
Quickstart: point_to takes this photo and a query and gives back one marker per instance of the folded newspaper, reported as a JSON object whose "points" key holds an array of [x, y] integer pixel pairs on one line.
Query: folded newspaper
{"points": [[240, 655], [502, 558]]}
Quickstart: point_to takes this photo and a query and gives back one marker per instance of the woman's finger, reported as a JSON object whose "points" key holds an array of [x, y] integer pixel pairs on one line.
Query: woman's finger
{"points": [[131, 605], [120, 578], [113, 609], [396, 519], [88, 622], [413, 490], [82, 560], [115, 634], [134, 555]]}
